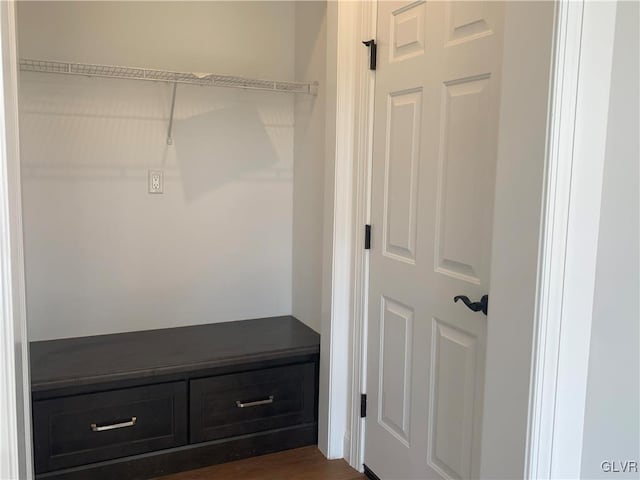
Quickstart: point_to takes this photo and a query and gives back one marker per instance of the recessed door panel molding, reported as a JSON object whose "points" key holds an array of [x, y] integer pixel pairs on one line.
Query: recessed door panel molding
{"points": [[407, 32], [401, 174], [466, 21], [452, 400], [396, 334], [464, 208]]}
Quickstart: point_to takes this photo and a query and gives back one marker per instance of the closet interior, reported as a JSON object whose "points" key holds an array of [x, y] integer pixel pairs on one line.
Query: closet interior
{"points": [[173, 185]]}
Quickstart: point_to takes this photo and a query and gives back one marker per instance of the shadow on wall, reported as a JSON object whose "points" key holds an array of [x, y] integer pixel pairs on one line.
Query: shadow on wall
{"points": [[103, 255], [211, 149], [105, 130]]}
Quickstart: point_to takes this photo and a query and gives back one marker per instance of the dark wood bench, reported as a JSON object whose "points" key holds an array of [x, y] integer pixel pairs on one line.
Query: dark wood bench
{"points": [[142, 404]]}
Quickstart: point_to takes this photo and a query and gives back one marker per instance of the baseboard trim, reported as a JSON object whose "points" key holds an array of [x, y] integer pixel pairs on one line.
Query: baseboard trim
{"points": [[189, 457], [370, 474]]}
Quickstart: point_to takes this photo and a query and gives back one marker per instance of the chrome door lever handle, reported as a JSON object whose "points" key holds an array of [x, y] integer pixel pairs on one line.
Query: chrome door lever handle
{"points": [[481, 306]]}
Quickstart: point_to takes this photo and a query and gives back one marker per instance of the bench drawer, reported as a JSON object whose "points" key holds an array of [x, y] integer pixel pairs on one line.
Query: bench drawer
{"points": [[254, 401], [82, 429]]}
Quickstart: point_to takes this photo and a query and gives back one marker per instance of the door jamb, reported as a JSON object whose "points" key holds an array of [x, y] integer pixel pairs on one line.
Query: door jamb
{"points": [[576, 141], [362, 160], [341, 428], [335, 348]]}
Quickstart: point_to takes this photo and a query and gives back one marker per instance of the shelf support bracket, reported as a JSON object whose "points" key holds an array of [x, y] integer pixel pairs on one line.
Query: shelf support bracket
{"points": [[173, 106]]}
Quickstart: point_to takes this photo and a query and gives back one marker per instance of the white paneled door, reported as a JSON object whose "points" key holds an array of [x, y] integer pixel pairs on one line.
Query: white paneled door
{"points": [[434, 156]]}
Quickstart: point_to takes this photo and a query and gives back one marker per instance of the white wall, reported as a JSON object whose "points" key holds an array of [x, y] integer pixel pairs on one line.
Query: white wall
{"points": [[103, 255], [309, 158], [612, 416]]}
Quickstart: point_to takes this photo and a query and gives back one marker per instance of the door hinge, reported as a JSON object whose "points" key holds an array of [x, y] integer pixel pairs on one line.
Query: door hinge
{"points": [[373, 53], [367, 237], [363, 405]]}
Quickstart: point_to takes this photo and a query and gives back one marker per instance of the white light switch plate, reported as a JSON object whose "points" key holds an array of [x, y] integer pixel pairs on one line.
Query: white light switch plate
{"points": [[156, 181]]}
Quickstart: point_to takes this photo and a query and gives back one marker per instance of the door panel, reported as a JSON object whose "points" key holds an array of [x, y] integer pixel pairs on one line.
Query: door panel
{"points": [[452, 392], [461, 206], [407, 32], [434, 151], [395, 374], [401, 192], [466, 21]]}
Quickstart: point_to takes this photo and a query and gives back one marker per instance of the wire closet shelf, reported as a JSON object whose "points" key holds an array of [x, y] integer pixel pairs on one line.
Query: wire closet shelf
{"points": [[135, 73]]}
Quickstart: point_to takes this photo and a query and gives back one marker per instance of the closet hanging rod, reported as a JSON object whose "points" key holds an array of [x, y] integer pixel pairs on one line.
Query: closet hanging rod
{"points": [[133, 73]]}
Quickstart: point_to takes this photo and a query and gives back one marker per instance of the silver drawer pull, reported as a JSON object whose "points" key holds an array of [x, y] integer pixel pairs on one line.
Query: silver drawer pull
{"points": [[266, 401], [113, 426]]}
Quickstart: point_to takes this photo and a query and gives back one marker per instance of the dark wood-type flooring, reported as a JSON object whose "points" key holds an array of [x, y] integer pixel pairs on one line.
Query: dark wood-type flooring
{"points": [[305, 463]]}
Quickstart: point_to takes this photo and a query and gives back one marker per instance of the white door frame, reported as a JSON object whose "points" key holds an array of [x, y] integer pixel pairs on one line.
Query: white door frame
{"points": [[15, 394], [575, 47], [567, 271], [343, 332], [362, 160]]}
